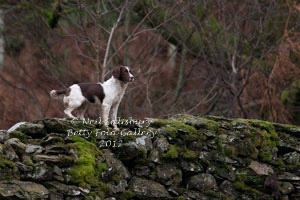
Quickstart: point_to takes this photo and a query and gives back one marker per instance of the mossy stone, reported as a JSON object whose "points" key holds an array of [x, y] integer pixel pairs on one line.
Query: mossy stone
{"points": [[18, 134], [181, 198], [84, 170], [4, 162], [127, 194], [172, 153]]}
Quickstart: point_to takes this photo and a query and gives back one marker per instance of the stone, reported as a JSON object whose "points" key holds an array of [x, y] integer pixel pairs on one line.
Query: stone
{"points": [[118, 188], [24, 168], [75, 198], [70, 190], [4, 135], [129, 151], [30, 148], [116, 166], [14, 148], [285, 145], [292, 158], [147, 189], [84, 190], [58, 178], [169, 175], [286, 176], [60, 160], [190, 166], [142, 171], [295, 131], [224, 173], [6, 173], [145, 142], [42, 173], [15, 127], [240, 175], [161, 144], [133, 149], [202, 182], [286, 187], [271, 185], [55, 149], [154, 156], [260, 168], [32, 130], [55, 125], [57, 170], [56, 196], [227, 188], [189, 194], [295, 196], [22, 190], [51, 139]]}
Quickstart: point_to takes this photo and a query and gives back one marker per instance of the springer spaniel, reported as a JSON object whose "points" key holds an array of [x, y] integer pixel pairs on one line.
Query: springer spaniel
{"points": [[108, 95]]}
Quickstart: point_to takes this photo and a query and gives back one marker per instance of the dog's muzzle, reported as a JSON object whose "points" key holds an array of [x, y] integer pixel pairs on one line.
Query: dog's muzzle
{"points": [[131, 79]]}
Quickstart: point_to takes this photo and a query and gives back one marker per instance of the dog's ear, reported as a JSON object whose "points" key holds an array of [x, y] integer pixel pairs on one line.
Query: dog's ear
{"points": [[116, 72]]}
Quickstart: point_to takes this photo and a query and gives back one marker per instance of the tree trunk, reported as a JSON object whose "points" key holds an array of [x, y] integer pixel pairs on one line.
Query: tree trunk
{"points": [[2, 49], [180, 80]]}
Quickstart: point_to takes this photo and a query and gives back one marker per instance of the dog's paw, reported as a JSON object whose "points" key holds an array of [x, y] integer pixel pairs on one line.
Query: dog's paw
{"points": [[116, 128]]}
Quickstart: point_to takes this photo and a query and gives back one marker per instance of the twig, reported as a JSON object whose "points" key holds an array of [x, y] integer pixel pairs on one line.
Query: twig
{"points": [[109, 41]]}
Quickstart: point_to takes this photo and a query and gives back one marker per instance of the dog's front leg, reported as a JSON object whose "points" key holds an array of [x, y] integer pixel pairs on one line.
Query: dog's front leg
{"points": [[105, 113], [113, 115]]}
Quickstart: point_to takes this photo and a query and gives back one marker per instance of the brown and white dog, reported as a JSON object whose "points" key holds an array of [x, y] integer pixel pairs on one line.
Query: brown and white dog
{"points": [[108, 95]]}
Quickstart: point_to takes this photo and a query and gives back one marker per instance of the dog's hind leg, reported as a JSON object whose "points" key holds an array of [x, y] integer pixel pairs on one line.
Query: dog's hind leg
{"points": [[70, 107], [82, 110], [68, 112]]}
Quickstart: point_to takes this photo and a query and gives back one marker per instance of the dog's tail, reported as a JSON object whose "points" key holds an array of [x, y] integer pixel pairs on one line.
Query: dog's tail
{"points": [[57, 94]]}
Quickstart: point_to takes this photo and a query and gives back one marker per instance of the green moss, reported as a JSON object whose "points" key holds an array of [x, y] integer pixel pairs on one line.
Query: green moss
{"points": [[161, 122], [268, 127], [18, 134], [265, 154], [4, 162], [281, 165], [181, 198], [100, 168], [126, 195], [250, 179], [218, 144], [172, 132], [188, 154], [172, 152], [30, 164], [230, 151], [238, 185], [34, 141], [102, 187], [218, 195], [83, 171], [248, 149], [7, 178], [176, 125], [116, 179], [211, 125]]}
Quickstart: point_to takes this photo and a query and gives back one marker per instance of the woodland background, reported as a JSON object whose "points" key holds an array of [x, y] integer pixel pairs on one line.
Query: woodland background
{"points": [[223, 57]]}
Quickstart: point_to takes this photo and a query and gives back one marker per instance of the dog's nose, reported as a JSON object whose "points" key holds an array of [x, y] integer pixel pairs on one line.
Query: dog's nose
{"points": [[132, 79]]}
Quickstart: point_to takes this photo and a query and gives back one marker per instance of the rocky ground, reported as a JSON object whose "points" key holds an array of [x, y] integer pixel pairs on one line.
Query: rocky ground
{"points": [[185, 157]]}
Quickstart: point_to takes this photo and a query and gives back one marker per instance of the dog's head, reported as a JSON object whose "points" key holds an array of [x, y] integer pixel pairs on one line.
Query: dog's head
{"points": [[123, 73]]}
